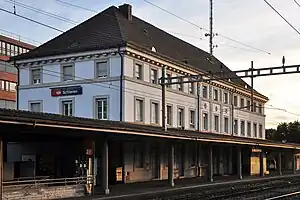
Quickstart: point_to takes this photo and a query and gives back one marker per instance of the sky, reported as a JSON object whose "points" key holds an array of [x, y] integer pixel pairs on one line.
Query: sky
{"points": [[251, 22]]}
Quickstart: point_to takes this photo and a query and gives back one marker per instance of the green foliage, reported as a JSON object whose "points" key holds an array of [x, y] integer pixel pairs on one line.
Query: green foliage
{"points": [[289, 132]]}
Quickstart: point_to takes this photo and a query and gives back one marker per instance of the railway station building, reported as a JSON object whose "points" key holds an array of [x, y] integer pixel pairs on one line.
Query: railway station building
{"points": [[99, 84]]}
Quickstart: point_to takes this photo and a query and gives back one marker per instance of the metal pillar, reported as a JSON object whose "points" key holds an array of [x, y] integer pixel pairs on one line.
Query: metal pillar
{"points": [[294, 163], [230, 161], [171, 165], [279, 163], [105, 167], [261, 163], [239, 163], [210, 164], [163, 101]]}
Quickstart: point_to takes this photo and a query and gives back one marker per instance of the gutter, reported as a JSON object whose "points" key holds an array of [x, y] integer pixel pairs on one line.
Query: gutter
{"points": [[18, 84], [121, 83]]}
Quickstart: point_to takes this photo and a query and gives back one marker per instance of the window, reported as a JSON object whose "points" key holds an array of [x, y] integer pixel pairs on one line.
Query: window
{"points": [[139, 110], [102, 108], [249, 129], [2, 85], [226, 125], [216, 97], [191, 88], [255, 130], [12, 86], [154, 113], [216, 121], [67, 108], [101, 69], [192, 119], [242, 103], [138, 71], [260, 131], [205, 121], [235, 127], [138, 156], [180, 117], [225, 97], [254, 107], [36, 76], [248, 105], [243, 128], [169, 115], [6, 85], [204, 91], [235, 101], [35, 107], [153, 76], [68, 72], [180, 85], [169, 81], [259, 108]]}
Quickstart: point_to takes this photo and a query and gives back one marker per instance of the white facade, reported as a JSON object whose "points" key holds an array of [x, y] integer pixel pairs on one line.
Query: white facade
{"points": [[141, 94]]}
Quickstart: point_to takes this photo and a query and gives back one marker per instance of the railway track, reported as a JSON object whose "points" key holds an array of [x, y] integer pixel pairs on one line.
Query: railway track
{"points": [[292, 195]]}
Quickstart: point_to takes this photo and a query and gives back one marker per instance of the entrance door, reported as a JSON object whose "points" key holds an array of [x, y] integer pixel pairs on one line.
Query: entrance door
{"points": [[155, 162], [180, 159]]}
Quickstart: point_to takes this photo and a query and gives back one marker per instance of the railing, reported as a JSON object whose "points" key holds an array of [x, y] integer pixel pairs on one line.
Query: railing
{"points": [[38, 182]]}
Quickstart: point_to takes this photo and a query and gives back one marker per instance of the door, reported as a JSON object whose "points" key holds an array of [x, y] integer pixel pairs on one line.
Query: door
{"points": [[155, 162]]}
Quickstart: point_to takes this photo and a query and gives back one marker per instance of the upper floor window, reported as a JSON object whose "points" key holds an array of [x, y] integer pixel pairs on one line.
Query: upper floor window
{"points": [[226, 125], [243, 128], [204, 91], [216, 94], [169, 81], [169, 115], [101, 69], [249, 129], [180, 117], [216, 121], [248, 105], [225, 97], [242, 103], [153, 76], [191, 88], [68, 72], [102, 108], [260, 131], [205, 121], [259, 108], [139, 110], [67, 108], [254, 107], [235, 127], [138, 71], [192, 119], [235, 101], [255, 130], [180, 85], [154, 112], [36, 76], [35, 107]]}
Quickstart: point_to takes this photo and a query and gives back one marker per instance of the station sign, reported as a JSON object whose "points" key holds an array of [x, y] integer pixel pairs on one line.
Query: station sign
{"points": [[66, 91]]}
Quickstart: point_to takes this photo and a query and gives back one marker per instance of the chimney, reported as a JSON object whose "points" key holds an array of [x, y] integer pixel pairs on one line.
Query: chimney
{"points": [[126, 10]]}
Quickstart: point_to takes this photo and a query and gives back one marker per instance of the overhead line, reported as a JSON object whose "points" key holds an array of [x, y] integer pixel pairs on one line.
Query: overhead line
{"points": [[282, 17], [76, 6], [32, 20], [228, 38], [20, 36], [297, 3]]}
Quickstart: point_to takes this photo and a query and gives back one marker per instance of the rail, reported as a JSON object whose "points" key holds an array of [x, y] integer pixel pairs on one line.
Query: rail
{"points": [[285, 196]]}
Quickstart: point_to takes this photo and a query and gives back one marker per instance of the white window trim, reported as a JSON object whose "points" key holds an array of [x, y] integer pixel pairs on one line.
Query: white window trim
{"points": [[157, 74], [134, 112], [195, 120], [62, 71], [216, 89], [142, 70], [35, 101], [207, 91], [30, 75], [224, 97], [158, 109], [237, 128], [95, 98], [251, 124], [172, 115], [217, 131], [228, 130], [183, 117], [245, 133], [237, 101], [202, 120], [61, 100], [107, 66]]}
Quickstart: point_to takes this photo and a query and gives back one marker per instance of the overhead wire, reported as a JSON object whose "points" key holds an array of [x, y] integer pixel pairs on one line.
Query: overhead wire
{"points": [[297, 3], [19, 37], [274, 9]]}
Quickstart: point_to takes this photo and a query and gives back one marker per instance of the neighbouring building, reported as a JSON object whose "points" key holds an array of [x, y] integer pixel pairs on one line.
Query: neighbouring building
{"points": [[108, 68], [8, 73]]}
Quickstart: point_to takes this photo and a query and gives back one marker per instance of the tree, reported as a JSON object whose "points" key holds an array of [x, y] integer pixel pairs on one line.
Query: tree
{"points": [[289, 132]]}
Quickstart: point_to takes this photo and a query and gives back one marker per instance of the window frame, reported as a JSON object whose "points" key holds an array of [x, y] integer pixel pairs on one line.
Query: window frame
{"points": [[62, 71], [249, 129], [205, 126], [31, 75], [157, 109], [215, 94], [260, 131], [226, 127], [171, 117], [225, 94], [191, 88], [242, 103], [218, 125], [255, 130], [183, 117], [206, 93], [192, 125], [168, 74], [150, 75], [248, 105], [61, 107], [243, 133], [35, 102], [141, 72], [143, 109], [235, 101], [96, 68], [180, 87], [236, 127], [95, 103]]}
